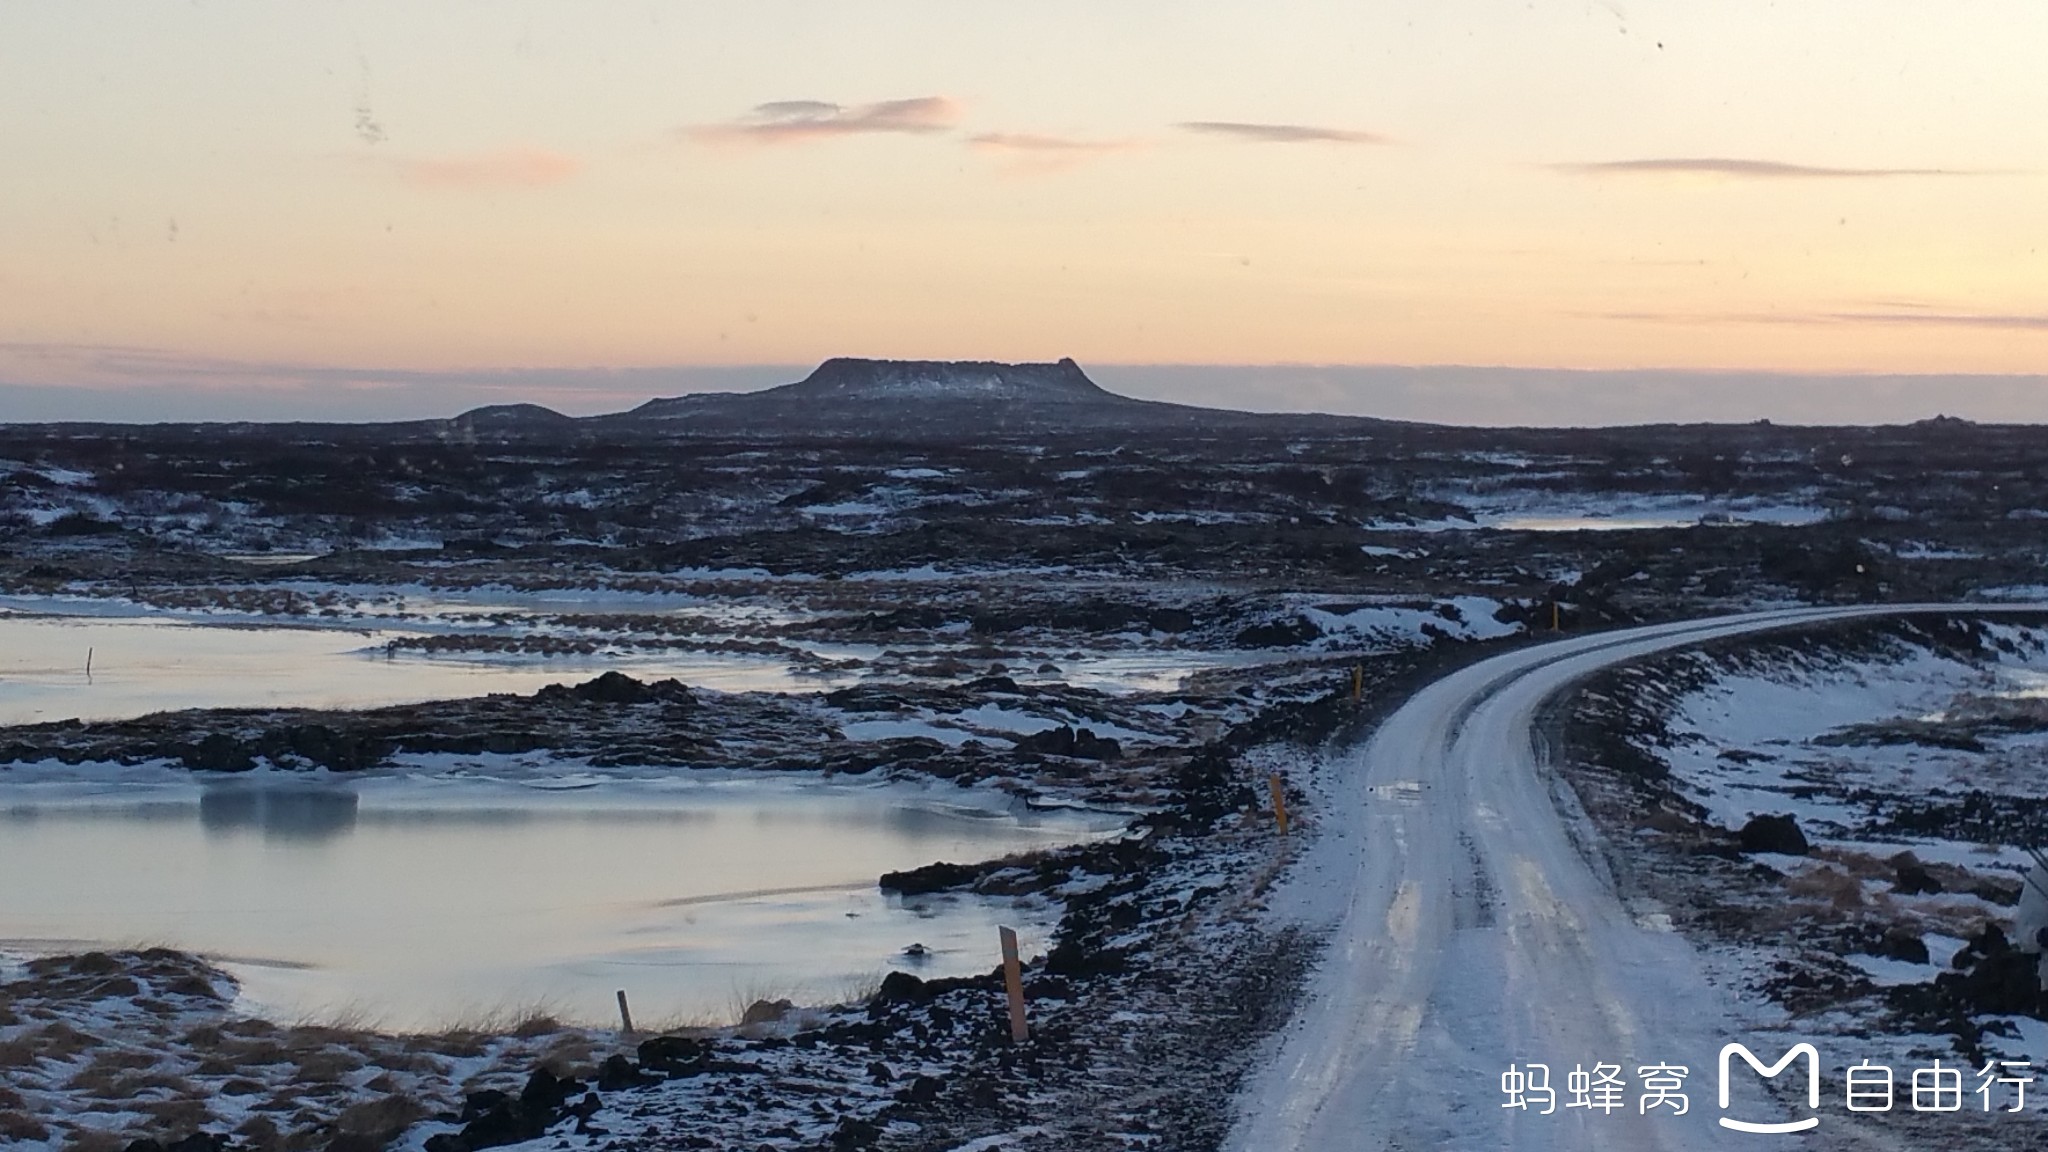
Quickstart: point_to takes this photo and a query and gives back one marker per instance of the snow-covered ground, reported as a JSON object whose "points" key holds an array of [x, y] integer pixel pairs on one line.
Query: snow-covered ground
{"points": [[1754, 742], [1474, 933]]}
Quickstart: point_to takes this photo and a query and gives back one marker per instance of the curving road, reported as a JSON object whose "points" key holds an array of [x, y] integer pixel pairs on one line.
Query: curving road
{"points": [[1470, 933]]}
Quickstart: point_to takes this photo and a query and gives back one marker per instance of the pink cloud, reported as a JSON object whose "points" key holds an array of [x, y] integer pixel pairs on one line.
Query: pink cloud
{"points": [[1743, 169], [799, 121], [518, 167], [1281, 133], [1036, 152]]}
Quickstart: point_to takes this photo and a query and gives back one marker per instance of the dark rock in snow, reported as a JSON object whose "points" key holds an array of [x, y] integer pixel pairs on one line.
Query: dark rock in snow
{"points": [[854, 1133], [545, 1091], [1065, 741], [1288, 633], [492, 1118], [619, 1072], [1912, 877], [331, 748], [675, 1055], [611, 688], [1899, 943], [900, 988], [920, 1090], [1993, 977], [766, 1011], [1778, 834], [930, 878], [218, 752]]}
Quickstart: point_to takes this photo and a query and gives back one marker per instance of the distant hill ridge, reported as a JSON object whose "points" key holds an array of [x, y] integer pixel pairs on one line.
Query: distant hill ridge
{"points": [[852, 396]]}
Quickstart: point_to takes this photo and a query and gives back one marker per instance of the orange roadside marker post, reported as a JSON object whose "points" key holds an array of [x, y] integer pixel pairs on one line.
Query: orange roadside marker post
{"points": [[1279, 790]]}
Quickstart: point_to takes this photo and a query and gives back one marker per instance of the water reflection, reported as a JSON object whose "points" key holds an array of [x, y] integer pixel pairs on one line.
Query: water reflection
{"points": [[423, 900], [279, 813]]}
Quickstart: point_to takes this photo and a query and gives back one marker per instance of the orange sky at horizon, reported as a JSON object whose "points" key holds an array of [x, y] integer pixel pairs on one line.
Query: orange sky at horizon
{"points": [[1853, 187]]}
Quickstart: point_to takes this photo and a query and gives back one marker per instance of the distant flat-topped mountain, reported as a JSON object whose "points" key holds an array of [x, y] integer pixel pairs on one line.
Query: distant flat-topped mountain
{"points": [[871, 397], [845, 378], [948, 399], [846, 389]]}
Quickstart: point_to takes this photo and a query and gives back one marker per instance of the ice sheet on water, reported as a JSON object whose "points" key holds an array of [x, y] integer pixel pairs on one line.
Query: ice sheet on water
{"points": [[417, 896]]}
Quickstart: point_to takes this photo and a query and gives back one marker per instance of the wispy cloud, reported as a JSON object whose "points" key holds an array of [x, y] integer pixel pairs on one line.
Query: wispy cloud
{"points": [[2007, 320], [520, 167], [1281, 133], [1037, 152], [1738, 169], [798, 121], [1901, 314]]}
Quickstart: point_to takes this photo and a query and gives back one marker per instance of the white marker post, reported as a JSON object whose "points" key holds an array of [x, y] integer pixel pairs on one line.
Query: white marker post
{"points": [[1013, 981]]}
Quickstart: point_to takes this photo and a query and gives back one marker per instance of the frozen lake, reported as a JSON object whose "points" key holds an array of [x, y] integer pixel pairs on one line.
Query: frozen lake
{"points": [[418, 901], [144, 663]]}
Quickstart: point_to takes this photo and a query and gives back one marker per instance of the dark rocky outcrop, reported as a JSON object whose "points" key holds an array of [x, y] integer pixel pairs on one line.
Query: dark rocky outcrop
{"points": [[1779, 834], [492, 1118], [1064, 740], [931, 878]]}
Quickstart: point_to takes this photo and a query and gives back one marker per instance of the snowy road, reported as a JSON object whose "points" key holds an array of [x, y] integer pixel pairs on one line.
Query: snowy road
{"points": [[1470, 933]]}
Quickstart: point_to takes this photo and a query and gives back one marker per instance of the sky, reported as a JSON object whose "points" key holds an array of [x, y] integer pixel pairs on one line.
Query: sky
{"points": [[1438, 209]]}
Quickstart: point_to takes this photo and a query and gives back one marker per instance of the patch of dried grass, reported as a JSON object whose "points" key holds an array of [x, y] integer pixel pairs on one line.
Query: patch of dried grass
{"points": [[382, 1120], [21, 1126], [456, 1044], [1831, 886], [94, 1140], [114, 1076], [16, 1054], [403, 1060], [260, 1134], [326, 1066], [183, 1115]]}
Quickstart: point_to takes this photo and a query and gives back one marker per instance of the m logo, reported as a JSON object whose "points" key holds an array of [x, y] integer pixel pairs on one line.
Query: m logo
{"points": [[1812, 1087]]}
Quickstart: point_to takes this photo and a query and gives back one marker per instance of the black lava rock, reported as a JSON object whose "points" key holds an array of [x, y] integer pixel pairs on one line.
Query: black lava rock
{"points": [[855, 1134], [1912, 877], [218, 752], [546, 1092], [920, 1090], [930, 878], [675, 1055], [1779, 834], [1065, 741], [619, 688], [331, 748], [619, 1072], [1993, 977], [1903, 944]]}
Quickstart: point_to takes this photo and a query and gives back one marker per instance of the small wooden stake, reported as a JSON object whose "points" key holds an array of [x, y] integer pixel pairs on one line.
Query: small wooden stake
{"points": [[1013, 980], [1279, 791], [1357, 683], [625, 1014]]}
